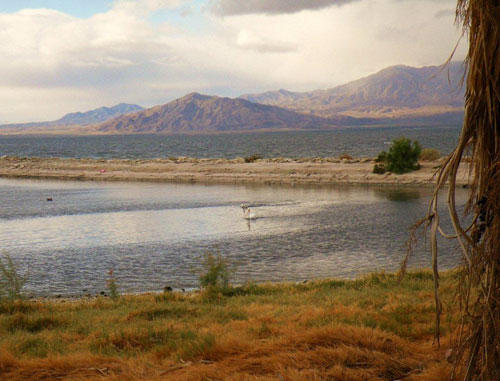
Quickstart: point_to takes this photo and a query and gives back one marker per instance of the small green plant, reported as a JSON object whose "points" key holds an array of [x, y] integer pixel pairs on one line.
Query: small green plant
{"points": [[112, 286], [382, 157], [402, 156], [379, 169], [11, 282], [429, 154], [215, 273]]}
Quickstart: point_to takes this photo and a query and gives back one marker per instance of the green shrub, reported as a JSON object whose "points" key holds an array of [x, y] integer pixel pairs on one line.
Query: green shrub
{"points": [[402, 156], [112, 286], [11, 282], [429, 154], [382, 157], [379, 169], [215, 272]]}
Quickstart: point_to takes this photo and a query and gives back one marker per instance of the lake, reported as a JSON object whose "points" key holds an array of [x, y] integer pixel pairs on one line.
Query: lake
{"points": [[358, 142], [153, 235]]}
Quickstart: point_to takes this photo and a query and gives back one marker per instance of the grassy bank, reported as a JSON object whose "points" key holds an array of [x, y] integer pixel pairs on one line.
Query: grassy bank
{"points": [[367, 329]]}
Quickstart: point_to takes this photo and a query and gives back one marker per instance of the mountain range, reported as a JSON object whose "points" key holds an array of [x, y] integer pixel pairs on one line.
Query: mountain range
{"points": [[202, 113], [394, 92], [98, 115], [396, 95]]}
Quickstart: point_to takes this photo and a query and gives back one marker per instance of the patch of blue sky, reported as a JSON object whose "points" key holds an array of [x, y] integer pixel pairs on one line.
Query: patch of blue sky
{"points": [[77, 8], [188, 16]]}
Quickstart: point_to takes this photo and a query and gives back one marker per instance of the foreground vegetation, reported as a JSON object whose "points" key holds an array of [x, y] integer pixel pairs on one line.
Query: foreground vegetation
{"points": [[367, 329]]}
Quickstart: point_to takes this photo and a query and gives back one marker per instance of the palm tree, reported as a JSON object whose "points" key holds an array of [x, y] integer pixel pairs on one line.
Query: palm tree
{"points": [[478, 345]]}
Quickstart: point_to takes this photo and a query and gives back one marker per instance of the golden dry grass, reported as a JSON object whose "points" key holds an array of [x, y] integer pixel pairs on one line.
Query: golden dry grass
{"points": [[366, 329]]}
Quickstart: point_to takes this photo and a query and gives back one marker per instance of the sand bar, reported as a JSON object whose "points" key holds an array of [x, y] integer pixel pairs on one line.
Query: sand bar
{"points": [[312, 171]]}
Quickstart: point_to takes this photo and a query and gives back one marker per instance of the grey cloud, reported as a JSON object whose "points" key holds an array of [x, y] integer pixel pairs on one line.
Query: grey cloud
{"points": [[243, 7]]}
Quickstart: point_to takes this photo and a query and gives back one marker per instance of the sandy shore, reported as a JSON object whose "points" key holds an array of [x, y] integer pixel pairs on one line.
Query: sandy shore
{"points": [[313, 171]]}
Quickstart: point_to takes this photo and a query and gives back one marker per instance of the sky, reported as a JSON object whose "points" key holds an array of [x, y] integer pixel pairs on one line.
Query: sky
{"points": [[60, 56]]}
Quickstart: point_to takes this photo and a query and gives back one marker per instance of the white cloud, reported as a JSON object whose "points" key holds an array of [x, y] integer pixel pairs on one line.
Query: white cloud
{"points": [[52, 63], [445, 13], [339, 44], [148, 5], [248, 39]]}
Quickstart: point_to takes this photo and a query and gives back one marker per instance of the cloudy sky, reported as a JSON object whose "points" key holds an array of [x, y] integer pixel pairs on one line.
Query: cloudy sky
{"points": [[59, 56]]}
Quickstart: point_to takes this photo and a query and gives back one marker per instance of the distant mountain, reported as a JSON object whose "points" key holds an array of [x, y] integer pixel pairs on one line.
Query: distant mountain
{"points": [[397, 95], [81, 118], [201, 113], [395, 92], [98, 115]]}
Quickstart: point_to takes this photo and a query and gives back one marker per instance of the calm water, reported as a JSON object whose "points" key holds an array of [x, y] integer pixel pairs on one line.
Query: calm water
{"points": [[358, 142], [153, 235]]}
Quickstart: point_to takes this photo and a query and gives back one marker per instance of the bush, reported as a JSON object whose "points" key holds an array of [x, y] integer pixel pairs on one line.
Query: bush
{"points": [[382, 157], [402, 157], [11, 282], [215, 273], [112, 286], [429, 154], [379, 169], [252, 158]]}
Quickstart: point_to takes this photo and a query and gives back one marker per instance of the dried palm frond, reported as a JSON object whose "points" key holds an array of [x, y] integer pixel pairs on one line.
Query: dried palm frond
{"points": [[478, 344]]}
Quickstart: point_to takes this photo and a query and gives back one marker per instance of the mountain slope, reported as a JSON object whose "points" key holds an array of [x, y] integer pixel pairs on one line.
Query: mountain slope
{"points": [[98, 115], [397, 91], [202, 113], [81, 118]]}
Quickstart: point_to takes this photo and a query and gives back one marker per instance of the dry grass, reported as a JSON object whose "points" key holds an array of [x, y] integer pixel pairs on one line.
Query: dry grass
{"points": [[429, 154], [366, 329]]}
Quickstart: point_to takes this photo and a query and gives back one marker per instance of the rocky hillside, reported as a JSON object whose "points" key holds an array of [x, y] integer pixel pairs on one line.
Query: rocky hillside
{"points": [[395, 92], [201, 113]]}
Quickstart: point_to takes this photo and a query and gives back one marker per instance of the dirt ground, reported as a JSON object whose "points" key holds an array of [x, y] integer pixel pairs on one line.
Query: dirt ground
{"points": [[312, 171]]}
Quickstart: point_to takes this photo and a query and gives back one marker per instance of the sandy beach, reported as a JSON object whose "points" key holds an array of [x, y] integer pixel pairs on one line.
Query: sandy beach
{"points": [[312, 171]]}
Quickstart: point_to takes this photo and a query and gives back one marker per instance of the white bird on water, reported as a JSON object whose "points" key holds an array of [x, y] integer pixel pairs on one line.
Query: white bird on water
{"points": [[247, 213]]}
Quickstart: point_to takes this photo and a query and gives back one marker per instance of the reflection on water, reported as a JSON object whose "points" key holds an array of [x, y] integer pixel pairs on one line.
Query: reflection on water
{"points": [[153, 234], [400, 194]]}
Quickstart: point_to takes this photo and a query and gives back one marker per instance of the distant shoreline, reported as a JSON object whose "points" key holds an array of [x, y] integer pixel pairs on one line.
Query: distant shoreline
{"points": [[79, 131], [272, 171], [89, 130]]}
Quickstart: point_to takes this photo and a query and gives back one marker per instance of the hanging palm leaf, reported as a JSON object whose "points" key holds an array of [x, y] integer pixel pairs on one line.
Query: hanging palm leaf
{"points": [[478, 341]]}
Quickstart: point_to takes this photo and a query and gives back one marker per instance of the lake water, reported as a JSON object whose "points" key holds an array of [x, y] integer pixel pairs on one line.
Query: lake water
{"points": [[358, 142], [153, 235]]}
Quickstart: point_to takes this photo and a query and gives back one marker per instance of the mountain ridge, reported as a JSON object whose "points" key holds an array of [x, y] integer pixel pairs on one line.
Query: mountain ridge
{"points": [[396, 91], [204, 113], [86, 118], [396, 95]]}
